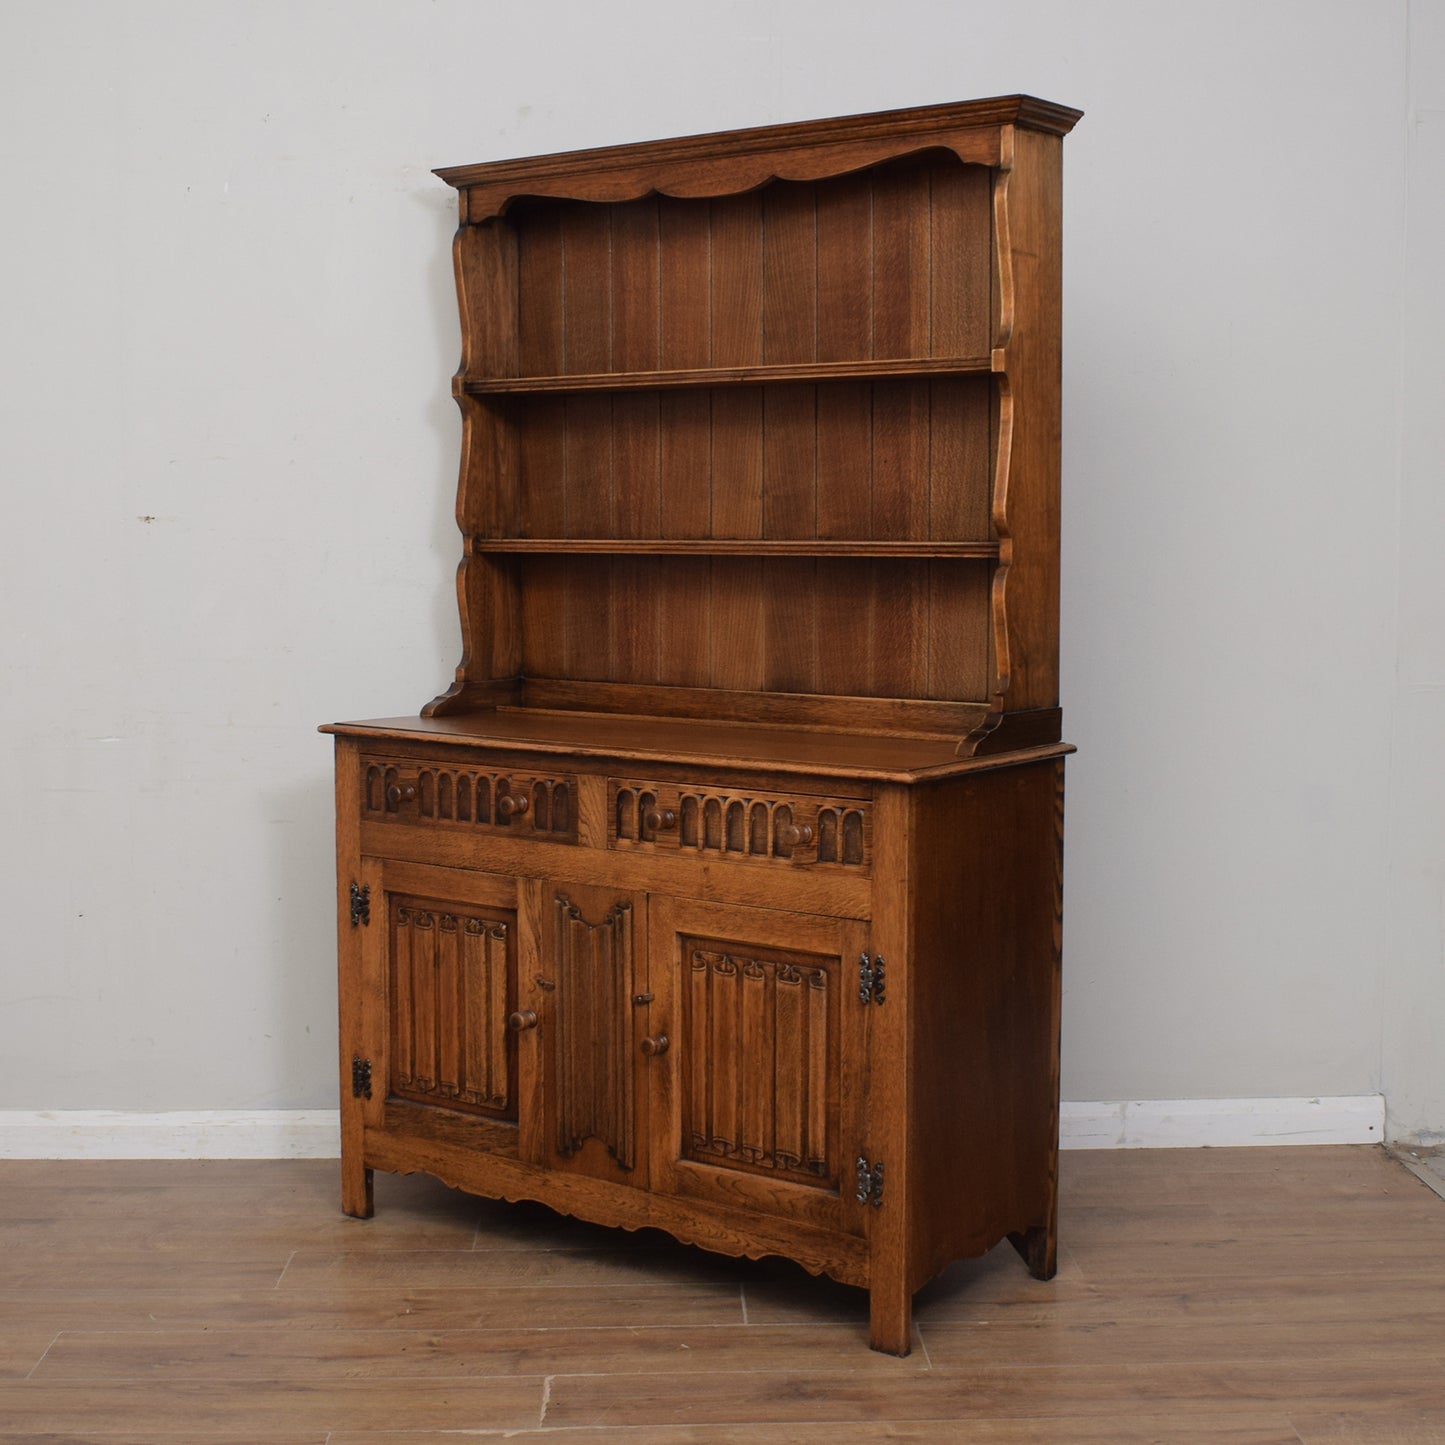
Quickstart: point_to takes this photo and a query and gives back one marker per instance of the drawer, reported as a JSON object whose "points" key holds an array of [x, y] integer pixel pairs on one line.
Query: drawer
{"points": [[776, 828], [542, 805]]}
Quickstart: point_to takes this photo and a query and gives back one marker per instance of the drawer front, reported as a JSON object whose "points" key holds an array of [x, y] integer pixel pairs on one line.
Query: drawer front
{"points": [[777, 828], [487, 800]]}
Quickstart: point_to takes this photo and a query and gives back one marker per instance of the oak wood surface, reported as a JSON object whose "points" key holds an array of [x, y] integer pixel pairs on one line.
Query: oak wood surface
{"points": [[720, 892], [723, 745], [449, 1313], [874, 351]]}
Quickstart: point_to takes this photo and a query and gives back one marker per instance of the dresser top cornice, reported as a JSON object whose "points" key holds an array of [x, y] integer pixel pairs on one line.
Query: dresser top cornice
{"points": [[803, 150]]}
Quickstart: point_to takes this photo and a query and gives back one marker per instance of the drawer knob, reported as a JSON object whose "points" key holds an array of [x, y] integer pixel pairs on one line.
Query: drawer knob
{"points": [[655, 1045], [791, 835], [659, 820], [522, 1020], [401, 793], [511, 805]]}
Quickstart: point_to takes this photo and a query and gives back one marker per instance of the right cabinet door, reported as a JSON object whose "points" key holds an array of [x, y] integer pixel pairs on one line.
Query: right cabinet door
{"points": [[757, 1100]]}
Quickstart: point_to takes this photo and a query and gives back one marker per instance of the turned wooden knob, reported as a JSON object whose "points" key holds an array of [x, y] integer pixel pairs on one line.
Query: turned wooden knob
{"points": [[655, 1045], [509, 804], [659, 820], [790, 835], [523, 1019], [401, 793]]}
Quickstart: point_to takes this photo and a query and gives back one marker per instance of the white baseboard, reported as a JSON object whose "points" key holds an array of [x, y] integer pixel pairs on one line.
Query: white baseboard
{"points": [[198, 1134], [1222, 1123], [315, 1133]]}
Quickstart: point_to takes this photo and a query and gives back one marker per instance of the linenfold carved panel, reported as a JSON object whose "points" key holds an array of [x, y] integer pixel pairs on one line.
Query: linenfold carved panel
{"points": [[451, 989], [590, 1028], [761, 1033]]}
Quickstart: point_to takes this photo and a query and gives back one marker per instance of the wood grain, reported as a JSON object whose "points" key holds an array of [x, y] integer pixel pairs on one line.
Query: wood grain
{"points": [[651, 1342], [759, 488]]}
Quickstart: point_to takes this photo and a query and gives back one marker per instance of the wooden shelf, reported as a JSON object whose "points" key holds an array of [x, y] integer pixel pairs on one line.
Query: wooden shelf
{"points": [[904, 367], [733, 547]]}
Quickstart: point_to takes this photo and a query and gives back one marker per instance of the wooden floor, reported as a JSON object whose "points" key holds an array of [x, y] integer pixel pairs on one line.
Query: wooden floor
{"points": [[1252, 1296]]}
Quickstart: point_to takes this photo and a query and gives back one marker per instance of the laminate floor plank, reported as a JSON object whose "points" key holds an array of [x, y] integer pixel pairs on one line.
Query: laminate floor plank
{"points": [[1105, 1338], [519, 1307], [21, 1349], [1252, 1257], [1262, 1296], [192, 1435], [1378, 1427], [319, 1354], [1071, 1430], [1121, 1391], [74, 1270], [266, 1409], [536, 1269], [1360, 1300]]}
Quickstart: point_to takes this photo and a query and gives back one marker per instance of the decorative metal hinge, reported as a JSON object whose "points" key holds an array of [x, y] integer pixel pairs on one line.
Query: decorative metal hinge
{"points": [[870, 978], [360, 1078], [870, 1182], [360, 903]]}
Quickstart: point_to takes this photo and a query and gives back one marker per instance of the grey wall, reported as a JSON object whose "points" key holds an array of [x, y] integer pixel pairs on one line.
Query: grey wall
{"points": [[228, 458]]}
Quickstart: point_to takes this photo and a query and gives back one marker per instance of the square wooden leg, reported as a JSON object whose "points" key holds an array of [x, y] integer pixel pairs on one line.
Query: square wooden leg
{"points": [[356, 1191]]}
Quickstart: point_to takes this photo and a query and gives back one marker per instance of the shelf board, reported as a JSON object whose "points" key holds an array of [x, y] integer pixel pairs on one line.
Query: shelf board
{"points": [[732, 547], [899, 367]]}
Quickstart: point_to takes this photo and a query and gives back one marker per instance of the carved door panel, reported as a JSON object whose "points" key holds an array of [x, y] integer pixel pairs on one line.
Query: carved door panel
{"points": [[758, 1097], [448, 980], [583, 954]]}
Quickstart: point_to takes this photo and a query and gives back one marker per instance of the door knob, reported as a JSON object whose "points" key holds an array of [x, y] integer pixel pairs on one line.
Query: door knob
{"points": [[655, 1045], [523, 1019]]}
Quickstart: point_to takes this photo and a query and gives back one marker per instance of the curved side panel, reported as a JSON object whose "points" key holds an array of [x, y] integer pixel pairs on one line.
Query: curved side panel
{"points": [[1003, 526], [1003, 296]]}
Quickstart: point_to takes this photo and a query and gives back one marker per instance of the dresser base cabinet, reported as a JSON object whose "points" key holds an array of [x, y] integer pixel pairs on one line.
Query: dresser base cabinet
{"points": [[862, 1078], [720, 890]]}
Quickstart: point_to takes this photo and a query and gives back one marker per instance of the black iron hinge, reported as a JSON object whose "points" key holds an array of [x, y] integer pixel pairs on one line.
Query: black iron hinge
{"points": [[360, 1078], [360, 903], [870, 978], [870, 1182]]}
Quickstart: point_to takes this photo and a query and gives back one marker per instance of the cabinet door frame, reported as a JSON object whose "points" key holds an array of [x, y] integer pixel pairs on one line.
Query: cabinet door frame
{"points": [[387, 879], [608, 1076], [832, 1206]]}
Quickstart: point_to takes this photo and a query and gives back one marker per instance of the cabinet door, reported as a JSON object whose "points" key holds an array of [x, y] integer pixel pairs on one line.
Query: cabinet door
{"points": [[582, 984], [440, 960], [758, 1095]]}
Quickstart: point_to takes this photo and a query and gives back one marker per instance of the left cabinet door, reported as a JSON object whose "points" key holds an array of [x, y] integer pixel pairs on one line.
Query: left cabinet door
{"points": [[428, 984]]}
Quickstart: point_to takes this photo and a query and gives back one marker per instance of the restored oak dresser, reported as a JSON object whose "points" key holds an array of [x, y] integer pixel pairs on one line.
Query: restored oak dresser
{"points": [[721, 892]]}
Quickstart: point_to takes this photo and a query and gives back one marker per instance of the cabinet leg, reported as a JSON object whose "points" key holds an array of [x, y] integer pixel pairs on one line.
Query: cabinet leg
{"points": [[890, 1320], [1039, 1247], [356, 1194]]}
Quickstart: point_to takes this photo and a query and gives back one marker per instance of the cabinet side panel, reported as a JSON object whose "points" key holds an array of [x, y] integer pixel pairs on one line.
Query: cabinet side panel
{"points": [[1029, 518], [357, 1027], [987, 873]]}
